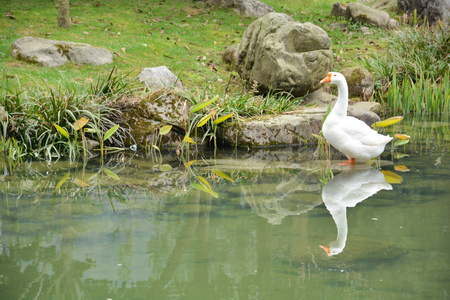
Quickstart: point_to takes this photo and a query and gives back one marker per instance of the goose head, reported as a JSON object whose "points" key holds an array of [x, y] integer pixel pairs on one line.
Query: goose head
{"points": [[334, 78]]}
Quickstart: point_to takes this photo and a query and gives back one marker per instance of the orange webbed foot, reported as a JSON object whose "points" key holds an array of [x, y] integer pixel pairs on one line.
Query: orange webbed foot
{"points": [[350, 162]]}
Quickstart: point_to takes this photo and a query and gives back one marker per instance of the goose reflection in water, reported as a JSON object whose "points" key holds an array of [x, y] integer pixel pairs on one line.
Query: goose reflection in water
{"points": [[347, 189]]}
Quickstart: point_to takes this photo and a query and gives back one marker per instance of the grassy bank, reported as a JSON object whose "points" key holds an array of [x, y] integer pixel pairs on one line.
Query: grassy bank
{"points": [[189, 37]]}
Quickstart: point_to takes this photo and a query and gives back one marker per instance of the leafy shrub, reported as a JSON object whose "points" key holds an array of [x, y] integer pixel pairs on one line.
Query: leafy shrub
{"points": [[35, 114]]}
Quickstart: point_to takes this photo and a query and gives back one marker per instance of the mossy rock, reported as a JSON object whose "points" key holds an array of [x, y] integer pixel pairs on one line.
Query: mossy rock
{"points": [[360, 82], [146, 115]]}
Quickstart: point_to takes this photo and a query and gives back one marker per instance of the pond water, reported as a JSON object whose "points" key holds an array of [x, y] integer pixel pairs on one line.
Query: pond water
{"points": [[125, 230]]}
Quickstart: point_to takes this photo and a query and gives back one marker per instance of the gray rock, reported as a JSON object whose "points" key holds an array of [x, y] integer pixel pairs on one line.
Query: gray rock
{"points": [[432, 10], [359, 13], [338, 10], [365, 30], [282, 54], [295, 128], [253, 8], [340, 26], [360, 82], [89, 55], [91, 145], [279, 130], [393, 24], [390, 5], [230, 55], [52, 53], [246, 8], [159, 77], [145, 116]]}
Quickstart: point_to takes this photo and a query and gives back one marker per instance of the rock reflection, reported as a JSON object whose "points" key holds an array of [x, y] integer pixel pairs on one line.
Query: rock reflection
{"points": [[284, 194], [347, 189]]}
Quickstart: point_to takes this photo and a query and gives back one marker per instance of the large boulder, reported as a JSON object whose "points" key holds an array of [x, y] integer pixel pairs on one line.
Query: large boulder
{"points": [[294, 128], [359, 13], [159, 78], [281, 54], [339, 10], [52, 53], [432, 10]]}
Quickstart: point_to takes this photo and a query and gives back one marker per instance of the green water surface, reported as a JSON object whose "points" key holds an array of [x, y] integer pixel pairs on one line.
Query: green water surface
{"points": [[71, 231]]}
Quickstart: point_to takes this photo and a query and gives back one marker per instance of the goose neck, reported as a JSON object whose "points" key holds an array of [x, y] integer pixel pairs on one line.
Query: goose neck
{"points": [[342, 101]]}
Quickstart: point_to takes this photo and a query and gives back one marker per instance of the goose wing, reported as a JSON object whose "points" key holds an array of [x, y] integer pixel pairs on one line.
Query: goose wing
{"points": [[357, 129]]}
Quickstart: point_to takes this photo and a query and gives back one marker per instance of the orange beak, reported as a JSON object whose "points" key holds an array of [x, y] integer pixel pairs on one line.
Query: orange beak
{"points": [[327, 249], [326, 79]]}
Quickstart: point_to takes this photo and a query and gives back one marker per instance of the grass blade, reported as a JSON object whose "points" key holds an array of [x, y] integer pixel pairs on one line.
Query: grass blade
{"points": [[204, 120], [80, 123], [204, 182], [61, 182], [223, 175]]}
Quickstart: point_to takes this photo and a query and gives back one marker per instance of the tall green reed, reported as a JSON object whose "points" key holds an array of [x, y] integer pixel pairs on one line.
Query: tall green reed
{"points": [[418, 52], [423, 97], [412, 74]]}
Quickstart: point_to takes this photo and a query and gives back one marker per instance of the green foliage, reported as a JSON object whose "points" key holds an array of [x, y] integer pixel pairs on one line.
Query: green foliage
{"points": [[45, 119], [425, 96], [412, 75], [413, 53], [208, 112]]}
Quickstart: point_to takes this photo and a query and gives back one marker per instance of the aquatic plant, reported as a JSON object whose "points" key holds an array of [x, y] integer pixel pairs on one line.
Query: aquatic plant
{"points": [[412, 74], [422, 97], [42, 118], [153, 149]]}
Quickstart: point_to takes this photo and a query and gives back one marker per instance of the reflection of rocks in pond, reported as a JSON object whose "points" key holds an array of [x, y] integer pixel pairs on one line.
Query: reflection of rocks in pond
{"points": [[275, 197], [346, 190]]}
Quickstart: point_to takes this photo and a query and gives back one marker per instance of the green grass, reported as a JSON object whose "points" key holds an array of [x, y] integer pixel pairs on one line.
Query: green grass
{"points": [[178, 34], [186, 36], [414, 53]]}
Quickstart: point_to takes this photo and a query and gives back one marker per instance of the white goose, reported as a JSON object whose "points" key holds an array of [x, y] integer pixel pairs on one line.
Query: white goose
{"points": [[347, 134]]}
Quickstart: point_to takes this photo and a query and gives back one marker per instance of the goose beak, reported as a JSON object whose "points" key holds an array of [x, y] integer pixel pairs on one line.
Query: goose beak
{"points": [[327, 249], [326, 79]]}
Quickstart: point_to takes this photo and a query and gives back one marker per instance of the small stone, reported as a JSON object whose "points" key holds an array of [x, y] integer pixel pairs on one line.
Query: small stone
{"points": [[159, 77], [365, 30]]}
